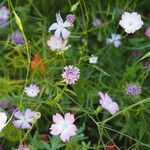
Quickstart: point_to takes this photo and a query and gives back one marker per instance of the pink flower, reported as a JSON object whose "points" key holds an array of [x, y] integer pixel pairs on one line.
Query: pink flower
{"points": [[107, 103], [71, 74], [147, 33], [63, 126], [131, 22], [60, 27], [32, 90], [57, 44]]}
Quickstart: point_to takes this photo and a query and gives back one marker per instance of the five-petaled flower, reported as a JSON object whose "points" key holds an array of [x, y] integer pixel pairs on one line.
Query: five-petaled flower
{"points": [[24, 119], [107, 103], [32, 90], [63, 126], [131, 22], [60, 27]]}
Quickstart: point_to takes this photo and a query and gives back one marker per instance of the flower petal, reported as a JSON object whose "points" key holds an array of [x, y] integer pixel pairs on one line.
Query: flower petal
{"points": [[65, 33], [69, 118], [56, 129], [58, 119], [54, 26], [64, 136], [59, 18]]}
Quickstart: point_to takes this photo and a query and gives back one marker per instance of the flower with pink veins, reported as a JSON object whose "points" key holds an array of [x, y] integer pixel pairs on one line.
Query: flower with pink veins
{"points": [[64, 127], [107, 103], [60, 27], [57, 44]]}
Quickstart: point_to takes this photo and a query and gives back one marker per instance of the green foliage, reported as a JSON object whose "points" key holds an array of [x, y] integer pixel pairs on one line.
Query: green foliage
{"points": [[129, 129]]}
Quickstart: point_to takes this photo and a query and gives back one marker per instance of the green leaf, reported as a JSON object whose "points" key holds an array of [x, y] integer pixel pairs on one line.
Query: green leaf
{"points": [[18, 21], [56, 143], [74, 7]]}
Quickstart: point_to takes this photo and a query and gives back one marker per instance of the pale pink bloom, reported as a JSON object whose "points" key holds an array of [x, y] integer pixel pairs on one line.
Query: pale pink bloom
{"points": [[131, 22], [64, 127], [60, 27], [107, 103], [32, 90], [147, 33], [3, 119], [23, 147], [71, 74], [57, 44]]}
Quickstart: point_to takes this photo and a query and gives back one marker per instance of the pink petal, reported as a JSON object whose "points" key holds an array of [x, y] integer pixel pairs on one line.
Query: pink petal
{"points": [[64, 136], [69, 118], [54, 26], [58, 118], [3, 118], [65, 33], [72, 130], [56, 129], [59, 18]]}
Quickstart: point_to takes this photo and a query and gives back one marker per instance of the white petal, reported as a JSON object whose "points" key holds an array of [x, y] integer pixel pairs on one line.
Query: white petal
{"points": [[59, 18], [65, 33], [54, 26]]}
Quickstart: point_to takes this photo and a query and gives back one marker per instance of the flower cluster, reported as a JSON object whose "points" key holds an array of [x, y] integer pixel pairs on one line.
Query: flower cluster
{"points": [[133, 90], [71, 74], [16, 38]]}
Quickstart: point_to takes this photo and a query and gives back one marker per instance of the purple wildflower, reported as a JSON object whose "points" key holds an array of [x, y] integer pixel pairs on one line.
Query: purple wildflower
{"points": [[147, 33], [16, 38], [96, 22], [32, 90], [133, 90], [4, 15], [1, 147], [115, 40], [23, 147], [24, 120], [71, 18], [71, 74], [4, 104], [107, 103], [135, 53]]}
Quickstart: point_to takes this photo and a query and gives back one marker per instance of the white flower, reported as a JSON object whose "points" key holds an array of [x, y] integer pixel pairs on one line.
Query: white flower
{"points": [[3, 119], [57, 44], [115, 39], [60, 27], [131, 22], [93, 59], [32, 90]]}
